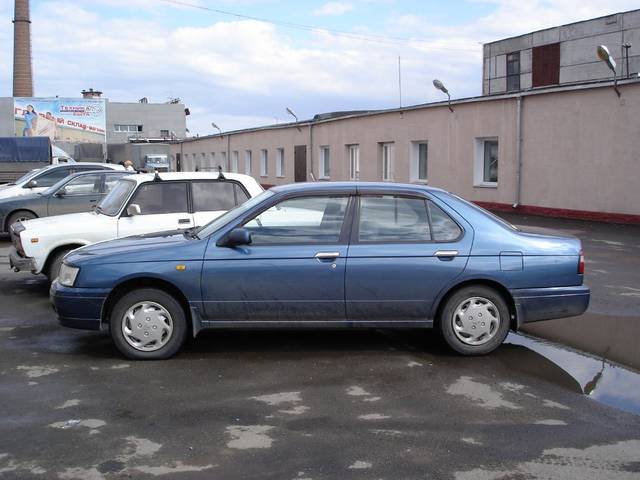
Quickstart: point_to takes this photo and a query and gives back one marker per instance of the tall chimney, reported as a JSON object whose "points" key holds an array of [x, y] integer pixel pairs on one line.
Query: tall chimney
{"points": [[22, 75]]}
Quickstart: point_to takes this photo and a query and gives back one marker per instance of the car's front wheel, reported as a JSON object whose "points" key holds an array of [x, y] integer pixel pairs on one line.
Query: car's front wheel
{"points": [[475, 320], [148, 324]]}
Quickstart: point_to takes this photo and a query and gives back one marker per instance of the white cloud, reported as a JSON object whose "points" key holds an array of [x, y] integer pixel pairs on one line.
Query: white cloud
{"points": [[243, 73], [333, 8]]}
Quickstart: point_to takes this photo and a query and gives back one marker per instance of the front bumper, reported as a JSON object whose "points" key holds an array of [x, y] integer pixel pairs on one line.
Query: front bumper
{"points": [[536, 304], [78, 307], [18, 262]]}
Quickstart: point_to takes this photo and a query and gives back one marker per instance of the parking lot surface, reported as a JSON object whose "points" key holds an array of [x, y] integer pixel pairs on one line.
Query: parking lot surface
{"points": [[314, 405]]}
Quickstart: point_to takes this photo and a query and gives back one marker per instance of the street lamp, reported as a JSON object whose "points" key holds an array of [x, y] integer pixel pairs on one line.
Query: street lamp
{"points": [[440, 86], [605, 56], [216, 127], [290, 112]]}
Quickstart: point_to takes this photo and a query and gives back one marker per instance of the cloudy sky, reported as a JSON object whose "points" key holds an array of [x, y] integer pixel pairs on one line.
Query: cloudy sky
{"points": [[239, 63]]}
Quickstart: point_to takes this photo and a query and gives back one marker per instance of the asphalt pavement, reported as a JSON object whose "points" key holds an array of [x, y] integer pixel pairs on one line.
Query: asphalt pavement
{"points": [[307, 405]]}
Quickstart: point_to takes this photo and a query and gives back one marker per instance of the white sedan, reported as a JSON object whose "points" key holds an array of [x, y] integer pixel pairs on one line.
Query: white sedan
{"points": [[137, 204]]}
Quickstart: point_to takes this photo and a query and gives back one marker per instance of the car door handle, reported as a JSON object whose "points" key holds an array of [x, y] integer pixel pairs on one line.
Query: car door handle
{"points": [[327, 255], [444, 254], [182, 221]]}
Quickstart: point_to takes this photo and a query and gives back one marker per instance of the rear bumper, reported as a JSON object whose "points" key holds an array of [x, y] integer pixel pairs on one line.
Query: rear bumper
{"points": [[21, 263], [535, 304], [78, 307]]}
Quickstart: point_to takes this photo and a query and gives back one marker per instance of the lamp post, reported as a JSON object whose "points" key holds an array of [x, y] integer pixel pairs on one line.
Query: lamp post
{"points": [[440, 86], [216, 127], [626, 47], [605, 56]]}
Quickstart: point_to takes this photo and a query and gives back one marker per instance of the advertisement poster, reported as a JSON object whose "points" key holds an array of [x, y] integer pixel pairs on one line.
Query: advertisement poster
{"points": [[79, 120]]}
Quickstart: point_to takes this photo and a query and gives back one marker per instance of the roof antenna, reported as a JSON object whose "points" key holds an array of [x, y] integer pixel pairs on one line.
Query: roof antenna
{"points": [[156, 177], [220, 174]]}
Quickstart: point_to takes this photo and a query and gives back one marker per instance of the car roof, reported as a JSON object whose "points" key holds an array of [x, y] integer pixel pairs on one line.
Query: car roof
{"points": [[146, 177], [310, 187], [110, 166]]}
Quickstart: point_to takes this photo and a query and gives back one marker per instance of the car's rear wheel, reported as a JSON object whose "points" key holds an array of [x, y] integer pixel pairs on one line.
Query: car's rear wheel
{"points": [[475, 320], [19, 216], [53, 269], [148, 324]]}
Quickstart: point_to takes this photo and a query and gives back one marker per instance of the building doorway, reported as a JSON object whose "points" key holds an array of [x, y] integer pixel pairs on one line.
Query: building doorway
{"points": [[300, 163]]}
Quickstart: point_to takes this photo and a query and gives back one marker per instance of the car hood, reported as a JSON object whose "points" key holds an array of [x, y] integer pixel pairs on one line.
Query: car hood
{"points": [[69, 223], [157, 246]]}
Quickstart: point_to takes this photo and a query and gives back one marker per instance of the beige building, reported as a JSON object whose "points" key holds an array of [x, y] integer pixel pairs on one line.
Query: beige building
{"points": [[571, 151]]}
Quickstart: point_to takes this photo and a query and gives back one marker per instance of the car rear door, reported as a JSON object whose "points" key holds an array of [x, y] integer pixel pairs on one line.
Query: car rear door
{"points": [[212, 198], [164, 205], [396, 267], [293, 271], [79, 194]]}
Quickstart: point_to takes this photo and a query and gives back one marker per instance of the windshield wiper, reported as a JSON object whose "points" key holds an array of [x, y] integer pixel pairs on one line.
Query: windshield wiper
{"points": [[190, 232]]}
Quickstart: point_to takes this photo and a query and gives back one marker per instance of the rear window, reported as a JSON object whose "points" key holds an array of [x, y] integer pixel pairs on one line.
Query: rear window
{"points": [[443, 228]]}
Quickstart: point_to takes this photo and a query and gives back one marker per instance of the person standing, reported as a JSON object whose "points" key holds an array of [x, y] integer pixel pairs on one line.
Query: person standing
{"points": [[30, 121]]}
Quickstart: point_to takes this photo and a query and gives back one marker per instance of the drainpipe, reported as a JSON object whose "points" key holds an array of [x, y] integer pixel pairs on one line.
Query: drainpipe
{"points": [[311, 150], [519, 99], [228, 165], [179, 167]]}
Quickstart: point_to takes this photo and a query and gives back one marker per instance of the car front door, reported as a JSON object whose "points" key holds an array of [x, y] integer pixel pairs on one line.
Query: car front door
{"points": [[403, 251], [211, 198], [293, 271], [163, 205], [79, 194]]}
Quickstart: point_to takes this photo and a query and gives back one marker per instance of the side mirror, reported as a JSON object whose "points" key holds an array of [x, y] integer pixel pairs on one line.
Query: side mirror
{"points": [[61, 193], [236, 238], [133, 210], [31, 184]]}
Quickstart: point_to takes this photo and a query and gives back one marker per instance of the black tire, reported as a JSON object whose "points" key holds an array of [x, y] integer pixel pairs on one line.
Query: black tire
{"points": [[19, 216], [55, 262], [166, 301], [492, 338]]}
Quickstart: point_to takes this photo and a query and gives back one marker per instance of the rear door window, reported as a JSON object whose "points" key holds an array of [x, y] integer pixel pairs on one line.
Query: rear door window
{"points": [[161, 197], [215, 195], [393, 219]]}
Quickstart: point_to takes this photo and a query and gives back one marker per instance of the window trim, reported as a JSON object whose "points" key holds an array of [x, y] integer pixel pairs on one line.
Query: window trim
{"points": [[355, 229], [414, 168], [478, 162], [264, 162], [280, 171], [248, 161], [355, 175], [322, 162]]}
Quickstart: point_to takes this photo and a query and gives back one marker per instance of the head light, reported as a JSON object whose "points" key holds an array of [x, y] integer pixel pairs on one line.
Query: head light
{"points": [[67, 275]]}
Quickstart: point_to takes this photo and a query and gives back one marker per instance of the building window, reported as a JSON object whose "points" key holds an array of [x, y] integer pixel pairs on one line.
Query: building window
{"points": [[354, 161], [387, 161], [247, 162], [280, 162], [204, 160], [513, 71], [127, 128], [264, 163], [418, 168], [545, 65], [325, 163], [164, 133], [223, 161], [234, 161], [486, 162]]}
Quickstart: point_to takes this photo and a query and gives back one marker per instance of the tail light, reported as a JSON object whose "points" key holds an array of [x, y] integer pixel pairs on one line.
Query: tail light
{"points": [[581, 264]]}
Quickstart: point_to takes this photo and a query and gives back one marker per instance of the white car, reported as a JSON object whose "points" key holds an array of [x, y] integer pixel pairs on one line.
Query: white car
{"points": [[40, 179], [137, 204]]}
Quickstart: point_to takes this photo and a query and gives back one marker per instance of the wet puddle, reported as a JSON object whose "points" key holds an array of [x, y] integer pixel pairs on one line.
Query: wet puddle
{"points": [[597, 378]]}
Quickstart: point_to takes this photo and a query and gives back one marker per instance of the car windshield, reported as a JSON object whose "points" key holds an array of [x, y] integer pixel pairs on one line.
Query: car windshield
{"points": [[27, 176], [231, 215], [112, 203]]}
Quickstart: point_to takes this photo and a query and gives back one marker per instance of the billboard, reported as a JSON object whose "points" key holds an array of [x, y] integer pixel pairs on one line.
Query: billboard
{"points": [[78, 120]]}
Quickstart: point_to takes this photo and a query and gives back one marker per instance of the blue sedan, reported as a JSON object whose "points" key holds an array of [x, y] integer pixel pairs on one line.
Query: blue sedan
{"points": [[326, 255]]}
